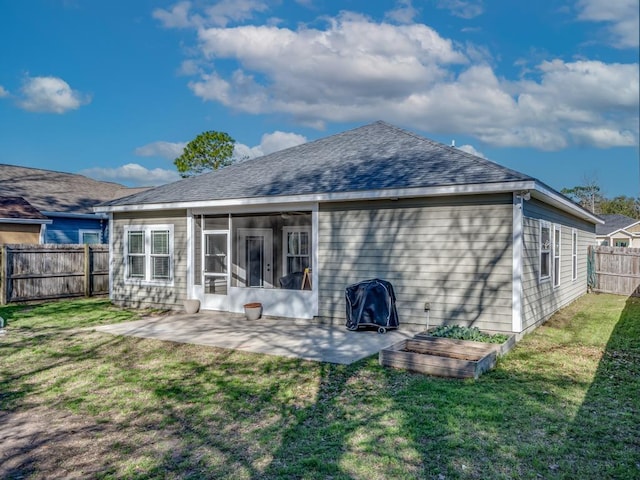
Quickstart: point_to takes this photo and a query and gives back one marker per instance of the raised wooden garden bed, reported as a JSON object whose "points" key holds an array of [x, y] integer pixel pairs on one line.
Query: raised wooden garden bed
{"points": [[500, 348], [442, 357]]}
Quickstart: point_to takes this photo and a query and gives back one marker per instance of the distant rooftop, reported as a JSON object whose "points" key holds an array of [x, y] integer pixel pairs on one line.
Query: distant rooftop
{"points": [[614, 222], [51, 191], [18, 208]]}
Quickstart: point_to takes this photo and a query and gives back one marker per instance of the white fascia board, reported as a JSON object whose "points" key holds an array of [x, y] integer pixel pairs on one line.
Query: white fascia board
{"points": [[620, 231], [560, 201], [26, 221], [396, 193], [91, 216]]}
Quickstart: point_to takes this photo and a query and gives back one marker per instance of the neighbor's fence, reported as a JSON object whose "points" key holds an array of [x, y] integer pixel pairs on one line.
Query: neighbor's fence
{"points": [[42, 272], [615, 270]]}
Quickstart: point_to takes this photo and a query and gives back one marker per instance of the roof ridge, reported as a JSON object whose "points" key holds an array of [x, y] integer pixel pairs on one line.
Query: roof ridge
{"points": [[484, 161]]}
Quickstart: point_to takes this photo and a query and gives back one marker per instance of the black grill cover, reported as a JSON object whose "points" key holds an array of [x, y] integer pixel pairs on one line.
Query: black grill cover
{"points": [[371, 303]]}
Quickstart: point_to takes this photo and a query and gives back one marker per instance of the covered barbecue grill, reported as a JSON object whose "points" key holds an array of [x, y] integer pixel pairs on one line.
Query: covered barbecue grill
{"points": [[371, 303]]}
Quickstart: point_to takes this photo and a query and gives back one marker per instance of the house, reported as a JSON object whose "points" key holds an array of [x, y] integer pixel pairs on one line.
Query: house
{"points": [[20, 222], [482, 244], [66, 199], [618, 231]]}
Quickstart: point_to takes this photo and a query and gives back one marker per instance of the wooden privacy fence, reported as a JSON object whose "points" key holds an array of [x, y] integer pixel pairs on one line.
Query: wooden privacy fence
{"points": [[41, 272], [615, 270]]}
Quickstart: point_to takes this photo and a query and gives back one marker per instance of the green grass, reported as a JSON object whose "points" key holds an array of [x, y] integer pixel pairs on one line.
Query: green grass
{"points": [[565, 403]]}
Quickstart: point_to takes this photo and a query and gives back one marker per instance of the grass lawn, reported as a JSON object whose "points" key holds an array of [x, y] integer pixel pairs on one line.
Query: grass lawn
{"points": [[75, 403]]}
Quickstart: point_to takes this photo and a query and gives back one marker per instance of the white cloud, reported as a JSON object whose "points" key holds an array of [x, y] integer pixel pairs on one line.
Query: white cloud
{"points": [[133, 174], [226, 11], [358, 70], [168, 150], [471, 150], [622, 17], [51, 95], [462, 8], [3, 92], [270, 142], [404, 12], [220, 14], [603, 137], [176, 17]]}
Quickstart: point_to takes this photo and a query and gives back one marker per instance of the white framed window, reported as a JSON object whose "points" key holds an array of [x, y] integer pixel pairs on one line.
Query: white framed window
{"points": [[89, 236], [574, 254], [545, 251], [148, 252], [296, 249], [557, 245]]}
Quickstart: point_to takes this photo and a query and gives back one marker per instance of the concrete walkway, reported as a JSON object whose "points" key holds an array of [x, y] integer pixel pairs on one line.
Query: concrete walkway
{"points": [[273, 336]]}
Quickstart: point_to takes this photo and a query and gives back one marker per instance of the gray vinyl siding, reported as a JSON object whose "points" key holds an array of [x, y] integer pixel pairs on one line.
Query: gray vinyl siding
{"points": [[455, 253], [152, 296], [540, 298]]}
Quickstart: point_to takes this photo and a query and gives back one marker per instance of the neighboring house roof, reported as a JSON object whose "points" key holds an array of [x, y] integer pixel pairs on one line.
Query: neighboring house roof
{"points": [[367, 162], [51, 191], [18, 210], [613, 223]]}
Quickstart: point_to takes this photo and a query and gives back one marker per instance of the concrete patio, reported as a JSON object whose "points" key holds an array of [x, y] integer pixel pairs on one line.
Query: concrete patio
{"points": [[273, 336]]}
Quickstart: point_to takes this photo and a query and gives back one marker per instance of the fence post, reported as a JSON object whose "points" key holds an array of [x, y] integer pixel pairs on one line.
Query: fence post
{"points": [[87, 270], [4, 276]]}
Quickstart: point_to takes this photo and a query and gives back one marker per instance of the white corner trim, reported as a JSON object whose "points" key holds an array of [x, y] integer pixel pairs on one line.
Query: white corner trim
{"points": [[111, 259], [517, 249], [190, 253]]}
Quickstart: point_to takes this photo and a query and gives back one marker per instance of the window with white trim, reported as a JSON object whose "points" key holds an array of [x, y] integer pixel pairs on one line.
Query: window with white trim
{"points": [[148, 251], [296, 249], [574, 254], [90, 236], [545, 251], [557, 244]]}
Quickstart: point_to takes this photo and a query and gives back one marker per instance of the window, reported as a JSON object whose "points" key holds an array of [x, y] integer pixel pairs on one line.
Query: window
{"points": [[215, 262], [621, 243], [556, 255], [545, 251], [296, 248], [574, 254], [148, 253], [90, 236]]}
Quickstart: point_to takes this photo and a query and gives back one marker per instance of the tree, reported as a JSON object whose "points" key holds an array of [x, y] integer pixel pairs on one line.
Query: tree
{"points": [[587, 196], [622, 205], [208, 151]]}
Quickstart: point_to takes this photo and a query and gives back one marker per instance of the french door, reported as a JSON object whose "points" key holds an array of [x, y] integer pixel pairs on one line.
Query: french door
{"points": [[255, 257]]}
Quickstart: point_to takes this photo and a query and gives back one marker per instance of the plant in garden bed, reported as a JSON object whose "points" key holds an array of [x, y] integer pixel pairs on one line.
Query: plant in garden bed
{"points": [[459, 332]]}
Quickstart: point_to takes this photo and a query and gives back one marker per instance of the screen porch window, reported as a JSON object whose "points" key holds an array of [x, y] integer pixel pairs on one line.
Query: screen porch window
{"points": [[545, 251], [148, 253], [215, 262], [297, 249]]}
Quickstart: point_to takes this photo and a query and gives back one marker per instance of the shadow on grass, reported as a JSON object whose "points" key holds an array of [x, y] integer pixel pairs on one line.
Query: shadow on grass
{"points": [[163, 410], [605, 432]]}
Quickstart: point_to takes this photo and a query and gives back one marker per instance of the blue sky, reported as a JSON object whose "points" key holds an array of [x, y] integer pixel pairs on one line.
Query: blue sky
{"points": [[114, 90]]}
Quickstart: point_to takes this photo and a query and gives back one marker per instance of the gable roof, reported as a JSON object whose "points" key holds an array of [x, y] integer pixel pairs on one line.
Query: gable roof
{"points": [[51, 191], [613, 223], [17, 209], [371, 161]]}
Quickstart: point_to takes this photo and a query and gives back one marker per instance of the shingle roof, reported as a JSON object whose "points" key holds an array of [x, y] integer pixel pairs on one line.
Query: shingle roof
{"points": [[613, 223], [372, 157], [18, 208], [51, 191]]}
